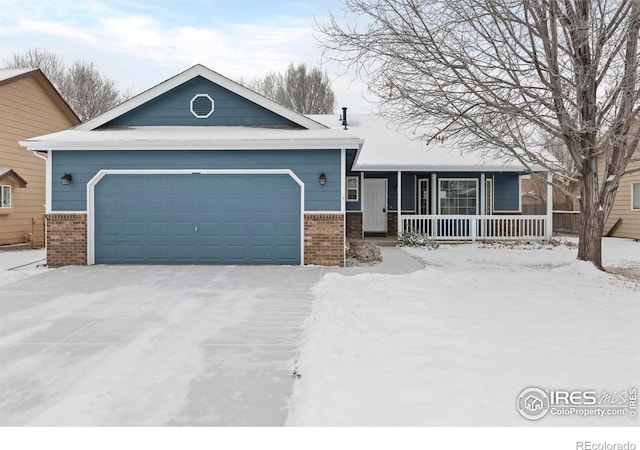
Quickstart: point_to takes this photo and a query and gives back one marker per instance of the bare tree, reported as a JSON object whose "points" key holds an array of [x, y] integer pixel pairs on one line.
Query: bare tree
{"points": [[299, 89], [503, 75], [88, 91]]}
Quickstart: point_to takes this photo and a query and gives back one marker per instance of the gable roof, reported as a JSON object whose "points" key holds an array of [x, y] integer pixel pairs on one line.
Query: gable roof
{"points": [[214, 77], [8, 76], [5, 173], [388, 149]]}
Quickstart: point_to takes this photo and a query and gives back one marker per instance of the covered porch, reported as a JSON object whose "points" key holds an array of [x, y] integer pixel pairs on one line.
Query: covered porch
{"points": [[449, 206]]}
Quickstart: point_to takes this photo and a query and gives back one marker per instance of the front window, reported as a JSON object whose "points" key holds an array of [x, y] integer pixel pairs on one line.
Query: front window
{"points": [[458, 196], [352, 189], [5, 196], [635, 196]]}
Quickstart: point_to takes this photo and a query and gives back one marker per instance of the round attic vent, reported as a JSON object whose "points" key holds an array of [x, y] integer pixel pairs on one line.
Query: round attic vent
{"points": [[202, 106]]}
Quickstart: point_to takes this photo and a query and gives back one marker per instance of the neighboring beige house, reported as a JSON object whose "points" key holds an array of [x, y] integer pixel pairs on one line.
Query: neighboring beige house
{"points": [[29, 106], [626, 208]]}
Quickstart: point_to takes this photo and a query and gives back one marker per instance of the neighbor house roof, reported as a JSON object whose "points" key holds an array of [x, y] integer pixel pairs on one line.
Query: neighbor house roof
{"points": [[6, 173], [12, 75], [387, 148]]}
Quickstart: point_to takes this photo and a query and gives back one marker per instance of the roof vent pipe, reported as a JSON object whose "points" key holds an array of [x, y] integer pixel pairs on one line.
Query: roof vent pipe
{"points": [[344, 117]]}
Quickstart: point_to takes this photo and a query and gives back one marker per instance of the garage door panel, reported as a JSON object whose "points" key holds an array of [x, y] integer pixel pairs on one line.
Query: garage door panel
{"points": [[191, 219]]}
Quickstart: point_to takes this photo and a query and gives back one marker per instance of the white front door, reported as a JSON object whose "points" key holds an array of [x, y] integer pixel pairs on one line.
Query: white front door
{"points": [[375, 205]]}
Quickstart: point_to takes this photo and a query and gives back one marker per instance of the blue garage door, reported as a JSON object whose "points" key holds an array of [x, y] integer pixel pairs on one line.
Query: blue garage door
{"points": [[197, 219]]}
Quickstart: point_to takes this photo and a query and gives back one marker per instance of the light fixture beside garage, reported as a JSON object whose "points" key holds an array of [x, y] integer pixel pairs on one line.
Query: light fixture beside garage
{"points": [[66, 178], [322, 179]]}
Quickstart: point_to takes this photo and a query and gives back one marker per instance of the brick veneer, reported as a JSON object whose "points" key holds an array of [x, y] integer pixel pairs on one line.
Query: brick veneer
{"points": [[354, 225], [66, 239], [392, 224], [324, 239]]}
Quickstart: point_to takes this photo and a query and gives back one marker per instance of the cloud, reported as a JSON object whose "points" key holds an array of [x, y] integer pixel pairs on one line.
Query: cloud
{"points": [[56, 29]]}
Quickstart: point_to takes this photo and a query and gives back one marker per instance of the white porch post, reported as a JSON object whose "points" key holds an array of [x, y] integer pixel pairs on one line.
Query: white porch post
{"points": [[549, 230], [434, 194], [483, 201], [399, 203]]}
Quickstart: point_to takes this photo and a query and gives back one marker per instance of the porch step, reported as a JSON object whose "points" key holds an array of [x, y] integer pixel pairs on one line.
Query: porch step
{"points": [[388, 241]]}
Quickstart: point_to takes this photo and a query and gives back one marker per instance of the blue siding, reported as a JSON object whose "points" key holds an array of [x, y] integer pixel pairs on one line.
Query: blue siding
{"points": [[506, 192], [173, 108], [506, 188], [306, 164]]}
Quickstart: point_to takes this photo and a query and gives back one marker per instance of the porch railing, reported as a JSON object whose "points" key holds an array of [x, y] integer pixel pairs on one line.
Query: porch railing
{"points": [[459, 227]]}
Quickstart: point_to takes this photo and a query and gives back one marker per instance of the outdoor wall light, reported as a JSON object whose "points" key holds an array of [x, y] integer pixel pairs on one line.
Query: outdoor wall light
{"points": [[66, 178], [322, 179]]}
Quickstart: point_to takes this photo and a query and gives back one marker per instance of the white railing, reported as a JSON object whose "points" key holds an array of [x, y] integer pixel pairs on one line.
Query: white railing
{"points": [[458, 228]]}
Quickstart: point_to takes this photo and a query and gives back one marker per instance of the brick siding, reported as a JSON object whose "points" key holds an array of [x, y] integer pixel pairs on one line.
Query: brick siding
{"points": [[354, 225], [66, 239], [392, 224], [324, 239]]}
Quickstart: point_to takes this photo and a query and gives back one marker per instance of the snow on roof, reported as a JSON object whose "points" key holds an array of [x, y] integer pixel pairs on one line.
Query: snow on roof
{"points": [[193, 138], [387, 148], [6, 74]]}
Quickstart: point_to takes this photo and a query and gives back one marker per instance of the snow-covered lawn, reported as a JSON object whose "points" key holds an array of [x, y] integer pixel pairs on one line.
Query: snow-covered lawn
{"points": [[20, 264], [456, 342]]}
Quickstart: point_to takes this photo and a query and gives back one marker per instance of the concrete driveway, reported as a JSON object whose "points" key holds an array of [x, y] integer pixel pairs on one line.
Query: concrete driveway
{"points": [[152, 345]]}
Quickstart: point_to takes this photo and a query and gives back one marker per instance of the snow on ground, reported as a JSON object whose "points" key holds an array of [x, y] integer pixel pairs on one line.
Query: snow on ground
{"points": [[19, 264], [456, 342]]}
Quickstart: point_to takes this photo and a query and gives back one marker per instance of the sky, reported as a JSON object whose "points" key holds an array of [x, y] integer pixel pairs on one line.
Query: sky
{"points": [[142, 43]]}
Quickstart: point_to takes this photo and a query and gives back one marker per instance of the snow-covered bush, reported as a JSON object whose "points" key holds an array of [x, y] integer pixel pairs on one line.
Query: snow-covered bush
{"points": [[364, 252], [417, 240]]}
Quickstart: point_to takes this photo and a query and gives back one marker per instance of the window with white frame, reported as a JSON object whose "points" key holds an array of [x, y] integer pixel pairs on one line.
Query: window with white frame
{"points": [[5, 196], [458, 196], [352, 189], [635, 196]]}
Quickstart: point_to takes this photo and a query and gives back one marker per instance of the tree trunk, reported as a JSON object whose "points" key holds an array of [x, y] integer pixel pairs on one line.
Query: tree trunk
{"points": [[591, 221]]}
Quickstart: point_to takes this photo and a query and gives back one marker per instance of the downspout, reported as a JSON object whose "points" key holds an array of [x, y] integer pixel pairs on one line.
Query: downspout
{"points": [[47, 190]]}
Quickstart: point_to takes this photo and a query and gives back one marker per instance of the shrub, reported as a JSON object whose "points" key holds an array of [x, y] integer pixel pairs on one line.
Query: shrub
{"points": [[417, 240]]}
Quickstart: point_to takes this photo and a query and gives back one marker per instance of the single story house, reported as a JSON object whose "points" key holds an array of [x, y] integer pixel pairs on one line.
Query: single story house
{"points": [[201, 170], [29, 105]]}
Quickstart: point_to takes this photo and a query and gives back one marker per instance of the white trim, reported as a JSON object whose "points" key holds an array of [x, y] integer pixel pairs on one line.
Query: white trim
{"points": [[324, 212], [347, 189], [297, 141], [399, 204], [483, 194], [631, 195], [491, 181], [353, 211], [200, 116], [102, 173], [361, 201], [430, 168], [8, 186], [419, 196], [214, 77], [67, 212], [549, 230], [434, 194], [47, 182], [343, 182], [460, 179]]}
